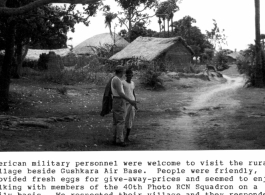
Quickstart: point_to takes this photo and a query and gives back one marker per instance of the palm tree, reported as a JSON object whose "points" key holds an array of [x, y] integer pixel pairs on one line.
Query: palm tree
{"points": [[166, 10], [109, 17], [258, 69], [160, 12]]}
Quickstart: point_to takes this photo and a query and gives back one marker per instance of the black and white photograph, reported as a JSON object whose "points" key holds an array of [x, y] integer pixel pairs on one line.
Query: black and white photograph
{"points": [[134, 75], [132, 97]]}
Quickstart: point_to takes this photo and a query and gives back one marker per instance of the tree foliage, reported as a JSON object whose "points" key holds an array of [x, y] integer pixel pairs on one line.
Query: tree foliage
{"points": [[134, 12], [192, 34], [109, 17], [6, 10], [221, 60], [29, 21], [139, 29], [216, 36], [165, 11]]}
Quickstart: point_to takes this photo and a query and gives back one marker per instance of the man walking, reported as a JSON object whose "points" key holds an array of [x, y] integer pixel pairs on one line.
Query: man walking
{"points": [[129, 86], [118, 106]]}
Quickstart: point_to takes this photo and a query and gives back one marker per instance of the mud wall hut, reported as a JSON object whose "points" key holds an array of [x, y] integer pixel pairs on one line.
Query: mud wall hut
{"points": [[106, 40], [169, 50]]}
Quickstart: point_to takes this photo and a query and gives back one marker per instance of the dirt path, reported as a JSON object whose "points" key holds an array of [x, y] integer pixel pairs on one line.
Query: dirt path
{"points": [[208, 105]]}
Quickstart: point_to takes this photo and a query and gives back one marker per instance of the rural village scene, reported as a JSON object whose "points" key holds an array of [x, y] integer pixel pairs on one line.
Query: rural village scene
{"points": [[187, 93]]}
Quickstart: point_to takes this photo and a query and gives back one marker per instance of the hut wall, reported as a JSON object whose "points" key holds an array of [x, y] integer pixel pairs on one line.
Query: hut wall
{"points": [[179, 56]]}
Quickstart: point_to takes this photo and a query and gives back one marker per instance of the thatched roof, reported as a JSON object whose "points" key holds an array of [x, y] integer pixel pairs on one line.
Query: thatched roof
{"points": [[101, 40], [235, 55], [34, 54], [148, 48]]}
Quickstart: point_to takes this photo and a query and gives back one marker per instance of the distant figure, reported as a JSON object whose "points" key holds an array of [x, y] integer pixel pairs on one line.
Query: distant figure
{"points": [[118, 106], [129, 87]]}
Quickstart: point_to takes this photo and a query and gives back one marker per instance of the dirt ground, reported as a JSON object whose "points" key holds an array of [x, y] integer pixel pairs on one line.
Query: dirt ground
{"points": [[191, 114]]}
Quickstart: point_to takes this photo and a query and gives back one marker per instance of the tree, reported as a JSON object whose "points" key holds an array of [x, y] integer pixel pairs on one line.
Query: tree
{"points": [[12, 11], [220, 60], [138, 29], [216, 36], [109, 17], [134, 12], [207, 55], [46, 31], [9, 12], [258, 66], [192, 34], [165, 11]]}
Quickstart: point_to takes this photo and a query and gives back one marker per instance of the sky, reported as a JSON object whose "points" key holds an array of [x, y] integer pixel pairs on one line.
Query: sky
{"points": [[236, 17]]}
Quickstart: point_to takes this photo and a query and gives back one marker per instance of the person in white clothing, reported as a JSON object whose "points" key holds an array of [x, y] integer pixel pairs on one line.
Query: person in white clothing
{"points": [[129, 90], [118, 106]]}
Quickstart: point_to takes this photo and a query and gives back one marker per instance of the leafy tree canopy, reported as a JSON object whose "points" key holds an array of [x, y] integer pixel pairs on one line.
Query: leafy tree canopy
{"points": [[167, 9], [12, 13], [7, 10], [139, 29], [45, 27], [192, 34], [134, 12]]}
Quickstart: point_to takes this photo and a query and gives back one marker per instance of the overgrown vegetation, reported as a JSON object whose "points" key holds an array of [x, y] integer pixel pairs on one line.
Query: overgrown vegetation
{"points": [[30, 63], [220, 60], [43, 61], [72, 77], [150, 78], [93, 72], [246, 65]]}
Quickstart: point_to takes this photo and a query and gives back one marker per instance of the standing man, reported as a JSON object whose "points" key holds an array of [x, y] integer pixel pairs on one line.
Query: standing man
{"points": [[129, 86], [118, 106]]}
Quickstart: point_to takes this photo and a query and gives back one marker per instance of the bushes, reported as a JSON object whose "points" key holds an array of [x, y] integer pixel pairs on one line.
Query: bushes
{"points": [[221, 61], [71, 77], [151, 78], [244, 67], [43, 62], [30, 64]]}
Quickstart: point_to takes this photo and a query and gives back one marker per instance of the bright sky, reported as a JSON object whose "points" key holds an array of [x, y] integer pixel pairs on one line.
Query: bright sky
{"points": [[237, 17]]}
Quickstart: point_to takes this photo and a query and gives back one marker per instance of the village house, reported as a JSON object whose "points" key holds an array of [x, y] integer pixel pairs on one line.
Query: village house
{"points": [[233, 57], [169, 50], [110, 42]]}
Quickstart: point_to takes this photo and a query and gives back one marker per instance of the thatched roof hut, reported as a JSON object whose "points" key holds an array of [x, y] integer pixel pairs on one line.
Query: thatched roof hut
{"points": [[173, 51], [101, 40], [34, 54], [235, 55], [150, 48]]}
